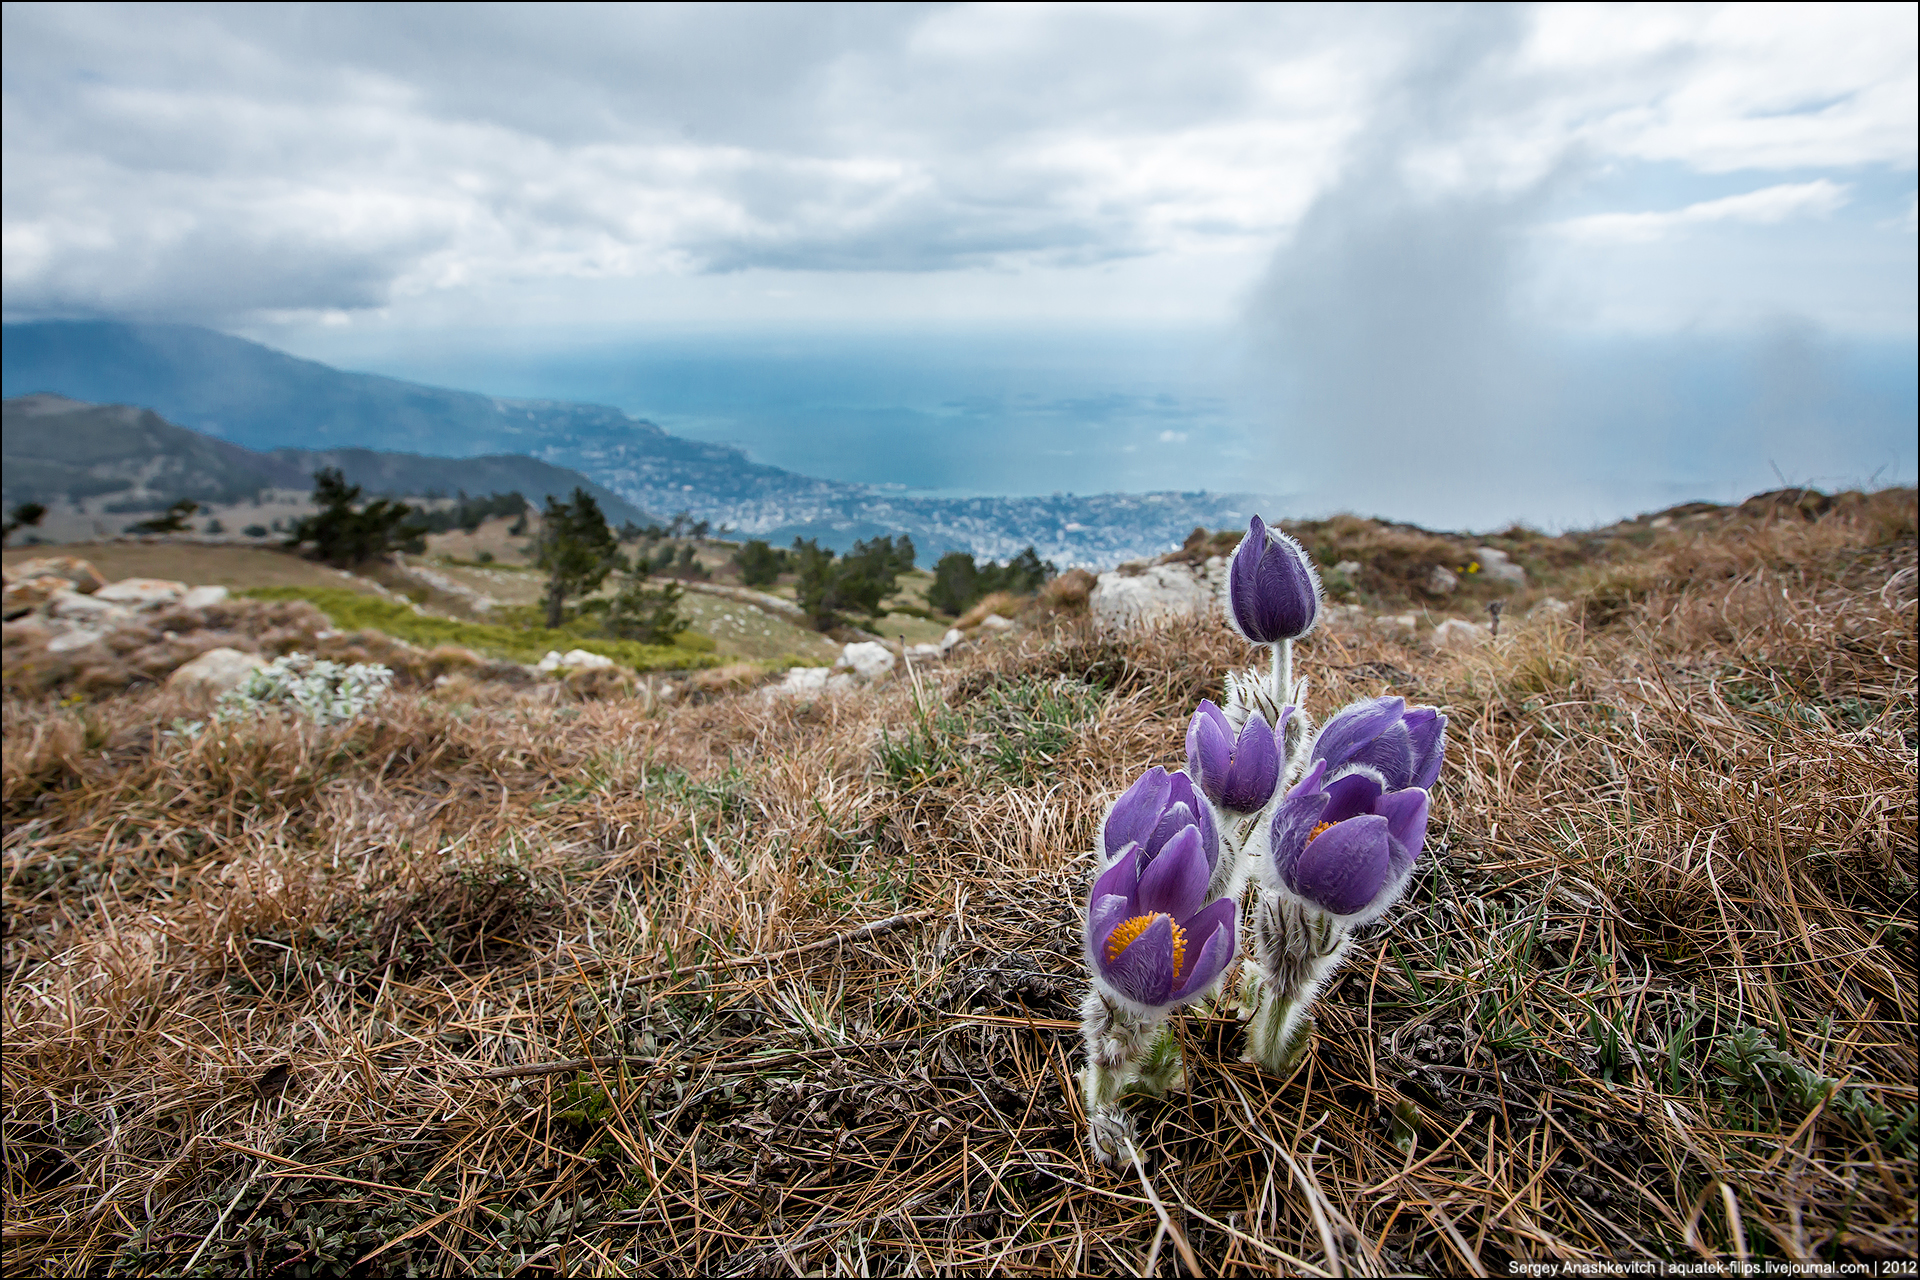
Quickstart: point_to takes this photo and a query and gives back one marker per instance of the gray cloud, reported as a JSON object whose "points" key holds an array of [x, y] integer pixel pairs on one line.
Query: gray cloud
{"points": [[1417, 369], [218, 161]]}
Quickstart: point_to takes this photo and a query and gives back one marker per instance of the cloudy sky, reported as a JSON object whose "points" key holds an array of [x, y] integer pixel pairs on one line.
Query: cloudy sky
{"points": [[1403, 196]]}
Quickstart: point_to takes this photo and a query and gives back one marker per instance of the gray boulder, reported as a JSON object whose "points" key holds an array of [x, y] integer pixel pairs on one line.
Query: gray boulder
{"points": [[1163, 593], [215, 671]]}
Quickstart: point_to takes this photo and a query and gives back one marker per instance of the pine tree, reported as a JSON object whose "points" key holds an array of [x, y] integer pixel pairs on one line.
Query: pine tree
{"points": [[577, 550]]}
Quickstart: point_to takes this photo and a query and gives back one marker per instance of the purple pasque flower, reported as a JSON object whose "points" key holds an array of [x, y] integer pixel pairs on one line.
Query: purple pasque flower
{"points": [[1403, 746], [1152, 938], [1347, 846], [1152, 812], [1273, 593], [1240, 774]]}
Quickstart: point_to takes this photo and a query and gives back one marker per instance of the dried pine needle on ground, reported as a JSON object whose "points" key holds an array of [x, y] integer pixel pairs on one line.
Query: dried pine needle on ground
{"points": [[502, 988]]}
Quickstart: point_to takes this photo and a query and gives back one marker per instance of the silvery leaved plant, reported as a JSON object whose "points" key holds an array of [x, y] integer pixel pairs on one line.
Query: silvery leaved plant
{"points": [[1326, 827], [322, 691]]}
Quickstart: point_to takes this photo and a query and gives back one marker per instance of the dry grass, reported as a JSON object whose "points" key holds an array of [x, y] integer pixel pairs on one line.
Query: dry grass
{"points": [[281, 998], [196, 563]]}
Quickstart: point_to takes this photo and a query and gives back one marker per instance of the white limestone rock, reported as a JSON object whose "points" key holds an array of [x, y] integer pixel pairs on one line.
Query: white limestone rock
{"points": [[994, 622], [203, 597], [24, 595], [142, 593], [215, 671], [954, 638], [867, 660], [1457, 632], [78, 573], [1163, 593], [74, 638], [1499, 566], [571, 660], [94, 611], [1441, 581], [811, 682], [1550, 608]]}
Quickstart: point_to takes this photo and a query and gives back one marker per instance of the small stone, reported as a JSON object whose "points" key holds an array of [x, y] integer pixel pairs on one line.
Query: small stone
{"points": [[801, 682], [74, 638], [1440, 581], [80, 575], [868, 660], [954, 637], [27, 594], [1457, 631], [215, 671], [1550, 607], [203, 597], [1347, 568], [93, 611], [1496, 564], [924, 651], [994, 622], [142, 593]]}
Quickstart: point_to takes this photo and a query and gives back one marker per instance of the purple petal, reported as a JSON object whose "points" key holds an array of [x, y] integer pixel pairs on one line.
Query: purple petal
{"points": [[1288, 598], [1209, 748], [1406, 815], [1293, 821], [1243, 578], [1121, 878], [1310, 780], [1209, 835], [1105, 912], [1144, 971], [1211, 930], [1429, 734], [1346, 866], [1391, 753], [1133, 815], [1173, 820], [1176, 881], [1349, 796], [1353, 726], [1255, 771]]}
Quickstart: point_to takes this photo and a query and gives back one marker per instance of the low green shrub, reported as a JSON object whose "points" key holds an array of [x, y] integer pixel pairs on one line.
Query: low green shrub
{"points": [[351, 611]]}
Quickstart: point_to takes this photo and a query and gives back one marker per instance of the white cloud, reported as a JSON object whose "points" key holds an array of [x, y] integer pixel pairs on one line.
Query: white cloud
{"points": [[226, 162], [1761, 208]]}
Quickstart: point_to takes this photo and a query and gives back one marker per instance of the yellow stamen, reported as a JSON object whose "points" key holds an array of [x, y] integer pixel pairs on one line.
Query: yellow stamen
{"points": [[1315, 833], [1122, 937]]}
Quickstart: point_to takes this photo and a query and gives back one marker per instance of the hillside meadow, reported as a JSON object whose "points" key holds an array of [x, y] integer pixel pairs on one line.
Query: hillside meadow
{"points": [[482, 983]]}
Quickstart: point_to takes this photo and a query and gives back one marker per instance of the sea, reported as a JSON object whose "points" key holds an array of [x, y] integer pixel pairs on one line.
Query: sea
{"points": [[1577, 432]]}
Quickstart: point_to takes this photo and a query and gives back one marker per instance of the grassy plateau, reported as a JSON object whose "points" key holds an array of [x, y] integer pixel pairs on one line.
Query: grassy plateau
{"points": [[486, 983]]}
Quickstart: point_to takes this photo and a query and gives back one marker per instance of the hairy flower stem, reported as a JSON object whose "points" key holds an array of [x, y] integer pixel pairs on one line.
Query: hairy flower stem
{"points": [[1280, 683], [1296, 949], [1126, 1053]]}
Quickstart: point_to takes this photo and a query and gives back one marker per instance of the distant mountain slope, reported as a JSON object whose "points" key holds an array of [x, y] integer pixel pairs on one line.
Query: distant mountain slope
{"points": [[57, 449], [264, 399]]}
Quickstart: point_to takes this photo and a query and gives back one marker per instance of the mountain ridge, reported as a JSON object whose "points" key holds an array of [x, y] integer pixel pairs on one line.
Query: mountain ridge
{"points": [[251, 395], [56, 449]]}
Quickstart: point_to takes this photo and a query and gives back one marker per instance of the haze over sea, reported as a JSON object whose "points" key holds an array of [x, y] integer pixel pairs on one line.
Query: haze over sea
{"points": [[1629, 426]]}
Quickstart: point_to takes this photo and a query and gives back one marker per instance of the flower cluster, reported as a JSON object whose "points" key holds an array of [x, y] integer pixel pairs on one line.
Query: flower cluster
{"points": [[1325, 826], [324, 692]]}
